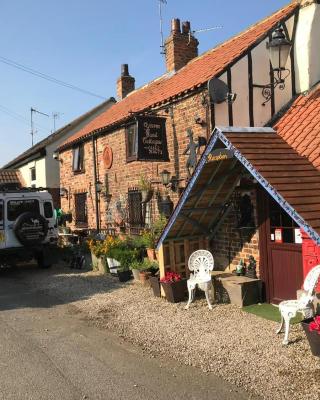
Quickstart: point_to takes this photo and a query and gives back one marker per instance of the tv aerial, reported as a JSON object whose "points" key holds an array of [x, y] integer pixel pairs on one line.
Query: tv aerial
{"points": [[219, 92]]}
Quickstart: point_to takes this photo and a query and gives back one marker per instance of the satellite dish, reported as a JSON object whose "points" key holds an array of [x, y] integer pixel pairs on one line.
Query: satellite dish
{"points": [[218, 90]]}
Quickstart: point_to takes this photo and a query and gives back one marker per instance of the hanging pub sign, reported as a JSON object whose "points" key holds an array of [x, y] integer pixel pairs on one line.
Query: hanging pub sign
{"points": [[219, 155], [152, 139]]}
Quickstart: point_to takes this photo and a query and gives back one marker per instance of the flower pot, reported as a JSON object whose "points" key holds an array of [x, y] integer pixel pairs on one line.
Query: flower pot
{"points": [[146, 195], [99, 264], [144, 277], [113, 264], [136, 274], [175, 291], [313, 337], [124, 276], [155, 285], [151, 254]]}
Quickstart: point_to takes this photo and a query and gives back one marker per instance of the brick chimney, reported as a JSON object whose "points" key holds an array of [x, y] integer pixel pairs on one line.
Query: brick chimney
{"points": [[125, 84], [181, 46]]}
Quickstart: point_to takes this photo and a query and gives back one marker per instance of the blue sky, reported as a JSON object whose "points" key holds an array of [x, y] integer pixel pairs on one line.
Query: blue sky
{"points": [[84, 43]]}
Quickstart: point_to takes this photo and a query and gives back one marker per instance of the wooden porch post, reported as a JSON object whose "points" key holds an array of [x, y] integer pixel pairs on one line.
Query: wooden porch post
{"points": [[161, 266]]}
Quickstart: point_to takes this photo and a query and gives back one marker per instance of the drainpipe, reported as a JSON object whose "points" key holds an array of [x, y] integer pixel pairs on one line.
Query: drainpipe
{"points": [[95, 183]]}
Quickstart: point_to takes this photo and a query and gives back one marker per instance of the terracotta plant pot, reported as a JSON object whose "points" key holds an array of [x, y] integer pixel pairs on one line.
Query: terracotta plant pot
{"points": [[151, 254], [313, 337], [144, 277], [155, 285], [175, 291]]}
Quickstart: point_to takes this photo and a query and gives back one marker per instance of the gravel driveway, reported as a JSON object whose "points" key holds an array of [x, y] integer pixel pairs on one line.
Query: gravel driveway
{"points": [[237, 346]]}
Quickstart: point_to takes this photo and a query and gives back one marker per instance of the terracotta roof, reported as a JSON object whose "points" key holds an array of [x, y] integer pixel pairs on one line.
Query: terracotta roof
{"points": [[290, 174], [196, 73], [300, 126], [10, 176], [289, 177]]}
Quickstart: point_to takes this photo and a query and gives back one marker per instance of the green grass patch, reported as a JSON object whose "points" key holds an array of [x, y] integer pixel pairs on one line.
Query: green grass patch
{"points": [[270, 312]]}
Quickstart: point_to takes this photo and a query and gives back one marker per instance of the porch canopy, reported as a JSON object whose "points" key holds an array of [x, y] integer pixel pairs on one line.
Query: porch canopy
{"points": [[232, 152]]}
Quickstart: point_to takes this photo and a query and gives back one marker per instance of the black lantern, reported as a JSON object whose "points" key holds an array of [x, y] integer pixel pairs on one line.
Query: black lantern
{"points": [[165, 177], [279, 49], [98, 187]]}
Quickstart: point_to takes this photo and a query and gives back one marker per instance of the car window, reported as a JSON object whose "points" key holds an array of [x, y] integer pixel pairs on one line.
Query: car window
{"points": [[18, 207], [48, 211]]}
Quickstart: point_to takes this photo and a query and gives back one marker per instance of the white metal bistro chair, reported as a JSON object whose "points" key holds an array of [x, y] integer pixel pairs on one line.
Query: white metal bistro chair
{"points": [[200, 264], [304, 304]]}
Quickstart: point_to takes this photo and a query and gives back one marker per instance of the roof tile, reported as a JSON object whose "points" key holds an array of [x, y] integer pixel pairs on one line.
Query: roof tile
{"points": [[196, 73]]}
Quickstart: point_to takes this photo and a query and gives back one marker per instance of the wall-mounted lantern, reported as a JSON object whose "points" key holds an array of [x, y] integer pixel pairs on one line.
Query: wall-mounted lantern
{"points": [[63, 192], [279, 49], [172, 183], [98, 187]]}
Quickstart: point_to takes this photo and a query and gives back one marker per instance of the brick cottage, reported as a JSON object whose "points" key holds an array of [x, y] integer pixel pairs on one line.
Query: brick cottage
{"points": [[165, 125]]}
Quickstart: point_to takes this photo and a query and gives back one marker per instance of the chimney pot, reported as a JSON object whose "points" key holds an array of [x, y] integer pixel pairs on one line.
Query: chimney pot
{"points": [[175, 25], [186, 27], [125, 70]]}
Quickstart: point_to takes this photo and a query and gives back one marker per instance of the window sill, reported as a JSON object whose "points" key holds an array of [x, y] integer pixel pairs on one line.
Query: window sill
{"points": [[78, 172]]}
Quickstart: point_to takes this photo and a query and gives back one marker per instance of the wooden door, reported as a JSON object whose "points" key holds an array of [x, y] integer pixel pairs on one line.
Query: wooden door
{"points": [[281, 252]]}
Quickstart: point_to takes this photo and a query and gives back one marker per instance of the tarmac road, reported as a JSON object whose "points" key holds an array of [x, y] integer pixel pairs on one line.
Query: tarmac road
{"points": [[49, 350]]}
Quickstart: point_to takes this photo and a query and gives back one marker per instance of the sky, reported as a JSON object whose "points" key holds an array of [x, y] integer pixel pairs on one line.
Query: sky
{"points": [[84, 43]]}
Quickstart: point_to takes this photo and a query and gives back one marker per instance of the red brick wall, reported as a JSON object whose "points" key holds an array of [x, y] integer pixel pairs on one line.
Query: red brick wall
{"points": [[228, 247], [231, 244]]}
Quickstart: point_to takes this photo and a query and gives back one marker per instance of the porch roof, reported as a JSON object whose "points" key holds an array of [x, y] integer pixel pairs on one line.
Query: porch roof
{"points": [[288, 177]]}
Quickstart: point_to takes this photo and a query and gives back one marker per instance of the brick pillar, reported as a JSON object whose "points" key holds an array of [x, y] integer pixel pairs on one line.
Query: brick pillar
{"points": [[125, 84], [181, 46]]}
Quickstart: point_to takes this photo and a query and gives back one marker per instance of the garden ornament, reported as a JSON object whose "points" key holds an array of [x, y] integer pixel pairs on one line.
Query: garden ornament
{"points": [[200, 264], [304, 304], [192, 151]]}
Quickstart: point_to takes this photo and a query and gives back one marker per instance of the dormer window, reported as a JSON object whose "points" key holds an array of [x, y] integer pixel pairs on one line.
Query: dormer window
{"points": [[78, 159]]}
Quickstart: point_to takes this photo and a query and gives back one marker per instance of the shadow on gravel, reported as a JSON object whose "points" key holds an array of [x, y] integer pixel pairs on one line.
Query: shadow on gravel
{"points": [[27, 286]]}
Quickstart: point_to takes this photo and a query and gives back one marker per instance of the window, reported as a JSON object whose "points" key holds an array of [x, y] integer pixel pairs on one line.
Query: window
{"points": [[132, 142], [80, 203], [78, 159], [48, 211], [135, 208], [282, 226], [1, 214], [33, 175], [18, 207]]}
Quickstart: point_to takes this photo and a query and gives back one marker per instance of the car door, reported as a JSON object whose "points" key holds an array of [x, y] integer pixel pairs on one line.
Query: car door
{"points": [[2, 231]]}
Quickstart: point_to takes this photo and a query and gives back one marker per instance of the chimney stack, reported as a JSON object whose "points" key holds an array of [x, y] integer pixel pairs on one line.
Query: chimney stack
{"points": [[125, 84], [181, 46]]}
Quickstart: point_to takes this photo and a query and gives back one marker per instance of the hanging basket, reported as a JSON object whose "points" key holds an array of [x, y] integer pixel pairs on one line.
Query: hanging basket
{"points": [[146, 196]]}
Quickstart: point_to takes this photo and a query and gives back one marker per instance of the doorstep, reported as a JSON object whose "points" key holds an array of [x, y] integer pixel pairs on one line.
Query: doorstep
{"points": [[239, 290]]}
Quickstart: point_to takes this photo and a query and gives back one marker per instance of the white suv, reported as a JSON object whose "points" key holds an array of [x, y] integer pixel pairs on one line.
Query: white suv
{"points": [[27, 226]]}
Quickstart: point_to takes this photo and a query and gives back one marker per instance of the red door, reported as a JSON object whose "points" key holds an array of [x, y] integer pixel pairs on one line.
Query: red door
{"points": [[281, 252]]}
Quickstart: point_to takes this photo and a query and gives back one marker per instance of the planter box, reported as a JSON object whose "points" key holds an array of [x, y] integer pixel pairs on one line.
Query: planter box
{"points": [[124, 276], [155, 285], [99, 264], [136, 274], [175, 291], [313, 337], [113, 264]]}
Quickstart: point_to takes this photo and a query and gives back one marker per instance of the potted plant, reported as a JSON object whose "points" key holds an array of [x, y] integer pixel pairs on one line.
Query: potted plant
{"points": [[136, 267], [311, 328], [174, 287], [150, 236], [125, 258], [98, 259], [146, 189]]}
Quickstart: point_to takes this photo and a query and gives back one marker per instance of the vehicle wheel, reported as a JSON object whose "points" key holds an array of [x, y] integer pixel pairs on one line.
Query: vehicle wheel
{"points": [[30, 228], [41, 260]]}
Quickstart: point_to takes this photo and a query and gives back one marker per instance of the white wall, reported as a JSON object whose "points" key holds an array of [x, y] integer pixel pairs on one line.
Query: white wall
{"points": [[307, 48]]}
